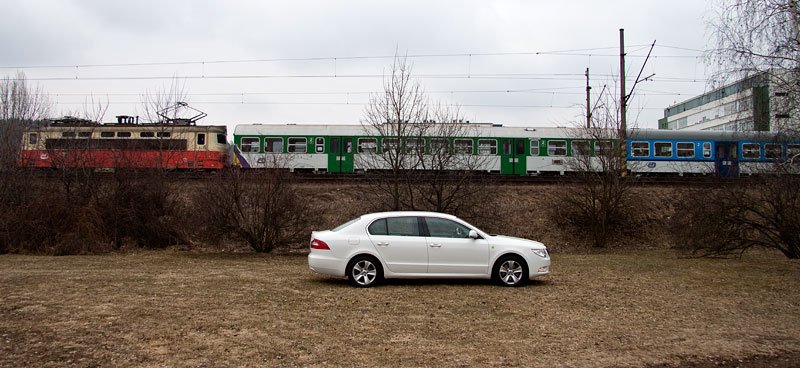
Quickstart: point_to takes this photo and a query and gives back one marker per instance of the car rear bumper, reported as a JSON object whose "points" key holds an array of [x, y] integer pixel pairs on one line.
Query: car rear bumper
{"points": [[320, 262]]}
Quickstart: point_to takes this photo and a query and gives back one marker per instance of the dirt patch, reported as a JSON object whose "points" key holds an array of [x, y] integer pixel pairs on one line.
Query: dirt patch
{"points": [[172, 308]]}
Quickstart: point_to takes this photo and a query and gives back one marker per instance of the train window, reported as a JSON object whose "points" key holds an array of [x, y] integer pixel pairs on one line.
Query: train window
{"points": [[107, 134], [773, 151], [580, 148], [367, 145], [663, 149], [462, 146], [557, 148], [487, 146], [390, 144], [250, 144], [319, 145], [534, 147], [793, 153], [147, 134], [751, 150], [507, 146], [221, 139], [439, 146], [85, 134], [414, 145], [685, 149], [348, 145], [706, 149], [520, 147], [603, 148], [297, 145], [33, 138], [163, 134], [640, 149], [201, 139], [124, 134], [68, 134], [273, 144]]}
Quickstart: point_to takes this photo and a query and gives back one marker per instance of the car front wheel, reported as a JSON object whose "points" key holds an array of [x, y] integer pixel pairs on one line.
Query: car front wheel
{"points": [[364, 271], [510, 271]]}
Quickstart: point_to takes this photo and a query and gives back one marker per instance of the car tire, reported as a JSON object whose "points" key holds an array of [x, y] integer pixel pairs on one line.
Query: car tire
{"points": [[510, 270], [364, 271]]}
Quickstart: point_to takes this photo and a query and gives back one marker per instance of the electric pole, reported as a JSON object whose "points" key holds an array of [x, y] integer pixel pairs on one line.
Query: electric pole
{"points": [[623, 125], [588, 103]]}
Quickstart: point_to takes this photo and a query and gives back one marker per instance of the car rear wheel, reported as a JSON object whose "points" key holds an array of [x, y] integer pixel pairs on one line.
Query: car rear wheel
{"points": [[510, 271], [364, 271]]}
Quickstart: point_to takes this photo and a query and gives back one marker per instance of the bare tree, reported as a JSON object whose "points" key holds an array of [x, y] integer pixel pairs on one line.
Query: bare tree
{"points": [[753, 37], [599, 200], [20, 105]]}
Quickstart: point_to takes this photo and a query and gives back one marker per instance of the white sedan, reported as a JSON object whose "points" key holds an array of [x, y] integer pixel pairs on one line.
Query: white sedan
{"points": [[421, 245]]}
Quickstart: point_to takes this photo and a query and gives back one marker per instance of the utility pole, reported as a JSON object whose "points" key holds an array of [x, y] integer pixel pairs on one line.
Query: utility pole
{"points": [[623, 125], [588, 103]]}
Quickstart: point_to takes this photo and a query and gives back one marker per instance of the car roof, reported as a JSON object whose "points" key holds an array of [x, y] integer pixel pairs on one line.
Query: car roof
{"points": [[406, 213]]}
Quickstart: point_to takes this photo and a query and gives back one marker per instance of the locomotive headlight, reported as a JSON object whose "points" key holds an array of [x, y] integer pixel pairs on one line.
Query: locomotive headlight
{"points": [[540, 252]]}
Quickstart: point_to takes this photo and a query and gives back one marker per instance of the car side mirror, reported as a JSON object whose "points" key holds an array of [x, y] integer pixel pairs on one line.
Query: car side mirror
{"points": [[473, 234]]}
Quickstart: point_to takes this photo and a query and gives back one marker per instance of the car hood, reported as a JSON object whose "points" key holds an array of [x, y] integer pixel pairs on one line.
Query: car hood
{"points": [[510, 240]]}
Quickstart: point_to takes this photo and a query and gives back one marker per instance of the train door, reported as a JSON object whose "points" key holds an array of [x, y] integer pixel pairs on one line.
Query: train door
{"points": [[513, 158], [726, 161], [340, 155]]}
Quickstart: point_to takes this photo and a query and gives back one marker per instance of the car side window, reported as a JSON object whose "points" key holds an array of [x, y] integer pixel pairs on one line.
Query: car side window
{"points": [[402, 226], [444, 228], [378, 227]]}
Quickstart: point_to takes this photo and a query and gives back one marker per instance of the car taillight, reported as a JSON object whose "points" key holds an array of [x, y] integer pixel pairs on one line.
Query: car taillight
{"points": [[319, 244]]}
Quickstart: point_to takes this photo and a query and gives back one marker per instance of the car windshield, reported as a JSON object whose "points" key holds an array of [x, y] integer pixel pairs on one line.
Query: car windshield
{"points": [[346, 224]]}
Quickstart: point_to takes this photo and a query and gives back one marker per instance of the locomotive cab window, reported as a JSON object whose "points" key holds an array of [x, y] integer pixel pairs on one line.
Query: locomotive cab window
{"points": [[487, 147], [249, 144], [201, 139], [367, 145], [33, 138], [534, 147], [640, 149], [297, 145], [221, 139], [557, 148], [685, 149], [773, 151], [319, 145], [580, 148], [663, 149], [462, 146], [751, 150]]}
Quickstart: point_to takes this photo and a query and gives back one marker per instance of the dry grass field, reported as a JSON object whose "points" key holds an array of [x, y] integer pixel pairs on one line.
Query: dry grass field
{"points": [[173, 308]]}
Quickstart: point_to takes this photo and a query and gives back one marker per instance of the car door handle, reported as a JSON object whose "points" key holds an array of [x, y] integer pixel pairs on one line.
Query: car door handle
{"points": [[435, 245], [382, 244]]}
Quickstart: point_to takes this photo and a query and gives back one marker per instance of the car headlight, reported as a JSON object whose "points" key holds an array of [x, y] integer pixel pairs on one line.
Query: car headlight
{"points": [[540, 252]]}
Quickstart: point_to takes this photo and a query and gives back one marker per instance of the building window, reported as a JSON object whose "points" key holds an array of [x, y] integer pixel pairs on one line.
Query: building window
{"points": [[534, 147], [319, 145], [463, 146], [706, 149], [751, 150], [580, 148], [297, 145], [273, 144], [557, 148], [663, 149], [250, 144], [640, 149], [368, 145], [487, 147], [686, 149], [773, 151]]}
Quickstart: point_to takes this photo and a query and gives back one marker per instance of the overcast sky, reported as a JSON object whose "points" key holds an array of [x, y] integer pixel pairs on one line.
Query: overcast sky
{"points": [[518, 63]]}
